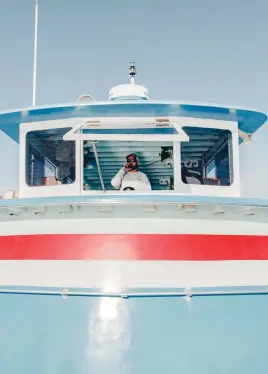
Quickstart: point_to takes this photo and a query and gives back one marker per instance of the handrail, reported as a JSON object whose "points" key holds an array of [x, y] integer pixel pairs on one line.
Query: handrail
{"points": [[98, 165], [187, 293]]}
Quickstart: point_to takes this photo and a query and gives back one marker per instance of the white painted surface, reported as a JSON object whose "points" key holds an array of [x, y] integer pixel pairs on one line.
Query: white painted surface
{"points": [[132, 226], [253, 165], [128, 90], [112, 276], [9, 164]]}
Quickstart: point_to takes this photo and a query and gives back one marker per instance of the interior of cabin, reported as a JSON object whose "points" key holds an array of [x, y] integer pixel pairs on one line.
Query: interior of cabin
{"points": [[206, 159]]}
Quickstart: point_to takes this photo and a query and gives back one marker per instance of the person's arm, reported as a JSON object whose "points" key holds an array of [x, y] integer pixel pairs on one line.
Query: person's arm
{"points": [[117, 179]]}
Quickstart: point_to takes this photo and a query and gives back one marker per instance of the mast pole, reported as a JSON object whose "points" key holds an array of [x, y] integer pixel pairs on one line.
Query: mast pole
{"points": [[35, 51]]}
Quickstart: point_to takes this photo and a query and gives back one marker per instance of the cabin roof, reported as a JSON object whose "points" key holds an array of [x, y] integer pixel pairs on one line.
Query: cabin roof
{"points": [[249, 120]]}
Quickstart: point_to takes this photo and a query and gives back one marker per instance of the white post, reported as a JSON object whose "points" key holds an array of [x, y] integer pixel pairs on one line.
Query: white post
{"points": [[35, 51]]}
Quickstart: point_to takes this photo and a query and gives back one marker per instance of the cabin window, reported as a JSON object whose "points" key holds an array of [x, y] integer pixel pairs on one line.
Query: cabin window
{"points": [[104, 159], [50, 160], [207, 158]]}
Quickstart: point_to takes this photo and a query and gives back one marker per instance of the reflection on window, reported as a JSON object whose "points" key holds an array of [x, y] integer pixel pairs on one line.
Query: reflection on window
{"points": [[50, 160], [149, 166], [207, 158]]}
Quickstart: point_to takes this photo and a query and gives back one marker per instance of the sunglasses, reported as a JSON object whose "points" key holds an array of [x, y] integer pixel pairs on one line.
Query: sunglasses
{"points": [[132, 160]]}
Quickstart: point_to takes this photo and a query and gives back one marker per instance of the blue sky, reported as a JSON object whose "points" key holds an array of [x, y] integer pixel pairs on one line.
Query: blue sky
{"points": [[209, 50]]}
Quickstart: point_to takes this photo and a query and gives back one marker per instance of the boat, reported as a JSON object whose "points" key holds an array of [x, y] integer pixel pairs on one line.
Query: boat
{"points": [[96, 279]]}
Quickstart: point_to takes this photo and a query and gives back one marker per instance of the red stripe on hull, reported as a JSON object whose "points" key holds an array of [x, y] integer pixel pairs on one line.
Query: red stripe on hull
{"points": [[134, 247]]}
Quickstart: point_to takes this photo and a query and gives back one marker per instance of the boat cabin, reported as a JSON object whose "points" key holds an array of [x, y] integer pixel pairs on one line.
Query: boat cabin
{"points": [[181, 155], [82, 155], [77, 149]]}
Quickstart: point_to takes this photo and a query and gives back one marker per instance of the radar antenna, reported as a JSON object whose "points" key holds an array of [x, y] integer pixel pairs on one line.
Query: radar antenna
{"points": [[132, 72]]}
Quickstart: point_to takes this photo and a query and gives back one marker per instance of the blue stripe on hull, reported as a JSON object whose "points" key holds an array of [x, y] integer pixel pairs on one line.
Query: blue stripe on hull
{"points": [[49, 334]]}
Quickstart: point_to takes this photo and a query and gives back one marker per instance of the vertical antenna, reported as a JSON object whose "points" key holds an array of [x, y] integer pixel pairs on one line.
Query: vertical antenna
{"points": [[35, 51], [132, 72]]}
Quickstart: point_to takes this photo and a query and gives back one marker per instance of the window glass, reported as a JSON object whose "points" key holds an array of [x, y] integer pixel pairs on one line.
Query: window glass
{"points": [[50, 160], [207, 158]]}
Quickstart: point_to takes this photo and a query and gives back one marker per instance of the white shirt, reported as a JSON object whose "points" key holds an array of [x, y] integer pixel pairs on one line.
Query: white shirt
{"points": [[136, 180]]}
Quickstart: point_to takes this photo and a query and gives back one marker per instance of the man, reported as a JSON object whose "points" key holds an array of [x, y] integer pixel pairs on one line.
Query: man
{"points": [[129, 176]]}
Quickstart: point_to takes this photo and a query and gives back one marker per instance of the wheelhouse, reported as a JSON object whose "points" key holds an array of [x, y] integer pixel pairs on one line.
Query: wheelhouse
{"points": [[76, 149], [179, 155]]}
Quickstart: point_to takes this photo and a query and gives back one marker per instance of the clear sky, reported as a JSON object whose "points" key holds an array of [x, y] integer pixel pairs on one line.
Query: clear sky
{"points": [[196, 50]]}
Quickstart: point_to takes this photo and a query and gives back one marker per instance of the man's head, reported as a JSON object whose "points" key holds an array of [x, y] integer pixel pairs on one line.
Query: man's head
{"points": [[132, 162]]}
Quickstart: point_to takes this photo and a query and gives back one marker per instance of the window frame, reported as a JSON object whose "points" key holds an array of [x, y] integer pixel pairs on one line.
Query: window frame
{"points": [[179, 187], [213, 155], [211, 190], [176, 175], [128, 123], [40, 191], [133, 121], [27, 158]]}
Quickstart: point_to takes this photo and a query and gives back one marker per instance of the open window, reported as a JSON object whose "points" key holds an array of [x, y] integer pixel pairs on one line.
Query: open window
{"points": [[50, 160], [155, 160], [207, 158], [107, 143]]}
